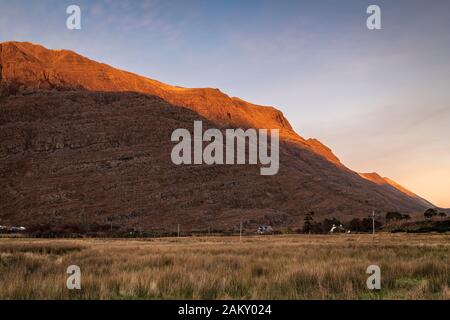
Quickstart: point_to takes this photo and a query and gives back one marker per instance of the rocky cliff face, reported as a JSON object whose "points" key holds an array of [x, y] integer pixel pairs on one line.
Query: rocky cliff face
{"points": [[82, 143]]}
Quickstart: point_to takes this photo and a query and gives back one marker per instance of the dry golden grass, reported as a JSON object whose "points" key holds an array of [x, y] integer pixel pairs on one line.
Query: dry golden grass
{"points": [[275, 267]]}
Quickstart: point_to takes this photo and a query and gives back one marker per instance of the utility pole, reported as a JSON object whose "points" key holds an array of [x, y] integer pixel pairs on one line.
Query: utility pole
{"points": [[373, 225], [240, 231], [373, 222]]}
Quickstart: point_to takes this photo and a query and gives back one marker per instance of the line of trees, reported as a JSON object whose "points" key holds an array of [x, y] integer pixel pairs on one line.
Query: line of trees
{"points": [[363, 225], [429, 214], [312, 227], [396, 216], [355, 225], [433, 212]]}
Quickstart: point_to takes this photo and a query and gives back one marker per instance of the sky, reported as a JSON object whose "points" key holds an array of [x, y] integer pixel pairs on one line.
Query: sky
{"points": [[380, 99]]}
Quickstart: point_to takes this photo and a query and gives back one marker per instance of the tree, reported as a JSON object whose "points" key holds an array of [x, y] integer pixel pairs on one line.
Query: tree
{"points": [[396, 216], [366, 225], [316, 228], [355, 224], [442, 215], [393, 216], [430, 213], [308, 222], [327, 224]]}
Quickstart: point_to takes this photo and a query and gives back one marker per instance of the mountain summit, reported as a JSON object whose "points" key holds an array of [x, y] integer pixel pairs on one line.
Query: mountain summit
{"points": [[85, 142]]}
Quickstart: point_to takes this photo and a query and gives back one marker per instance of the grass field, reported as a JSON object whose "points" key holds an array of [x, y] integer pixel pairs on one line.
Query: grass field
{"points": [[270, 267]]}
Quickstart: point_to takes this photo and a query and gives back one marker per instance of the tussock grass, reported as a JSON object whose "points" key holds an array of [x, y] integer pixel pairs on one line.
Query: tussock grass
{"points": [[276, 267]]}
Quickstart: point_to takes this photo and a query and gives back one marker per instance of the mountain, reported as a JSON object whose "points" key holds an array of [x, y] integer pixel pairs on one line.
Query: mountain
{"points": [[83, 143]]}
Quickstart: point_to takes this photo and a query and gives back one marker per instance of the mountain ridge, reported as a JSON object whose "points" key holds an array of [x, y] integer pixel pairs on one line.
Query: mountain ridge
{"points": [[385, 181], [45, 71], [244, 113]]}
